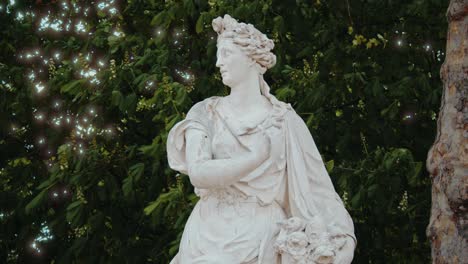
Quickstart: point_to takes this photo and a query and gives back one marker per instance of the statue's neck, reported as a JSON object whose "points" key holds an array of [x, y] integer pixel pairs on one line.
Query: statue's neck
{"points": [[246, 94]]}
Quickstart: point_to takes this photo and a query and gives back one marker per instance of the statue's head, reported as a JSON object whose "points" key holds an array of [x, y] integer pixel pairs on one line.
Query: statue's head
{"points": [[241, 50]]}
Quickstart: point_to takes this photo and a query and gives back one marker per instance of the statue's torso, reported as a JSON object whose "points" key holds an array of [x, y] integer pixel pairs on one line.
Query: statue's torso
{"points": [[238, 219]]}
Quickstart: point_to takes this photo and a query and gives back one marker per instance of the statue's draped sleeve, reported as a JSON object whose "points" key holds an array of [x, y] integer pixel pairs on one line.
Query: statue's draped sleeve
{"points": [[176, 145], [310, 189]]}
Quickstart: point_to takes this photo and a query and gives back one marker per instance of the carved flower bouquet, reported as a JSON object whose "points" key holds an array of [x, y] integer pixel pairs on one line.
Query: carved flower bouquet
{"points": [[301, 242]]}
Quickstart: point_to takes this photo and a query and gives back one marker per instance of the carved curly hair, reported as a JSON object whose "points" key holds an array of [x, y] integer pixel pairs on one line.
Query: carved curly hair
{"points": [[254, 43]]}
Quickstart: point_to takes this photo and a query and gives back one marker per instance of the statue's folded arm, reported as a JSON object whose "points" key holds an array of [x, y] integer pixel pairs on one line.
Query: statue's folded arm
{"points": [[205, 172]]}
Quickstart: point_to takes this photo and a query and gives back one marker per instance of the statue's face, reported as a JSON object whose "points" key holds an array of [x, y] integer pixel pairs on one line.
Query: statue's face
{"points": [[232, 62]]}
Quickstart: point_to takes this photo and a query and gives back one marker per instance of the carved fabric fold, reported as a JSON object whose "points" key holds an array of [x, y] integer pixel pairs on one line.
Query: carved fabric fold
{"points": [[175, 145], [311, 192]]}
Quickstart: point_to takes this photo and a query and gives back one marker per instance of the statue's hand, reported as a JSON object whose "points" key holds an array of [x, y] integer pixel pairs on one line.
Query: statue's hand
{"points": [[260, 148]]}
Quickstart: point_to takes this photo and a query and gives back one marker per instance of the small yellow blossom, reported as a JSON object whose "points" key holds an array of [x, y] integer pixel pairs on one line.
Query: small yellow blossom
{"points": [[358, 39], [19, 162], [339, 113], [101, 183], [372, 42], [350, 30]]}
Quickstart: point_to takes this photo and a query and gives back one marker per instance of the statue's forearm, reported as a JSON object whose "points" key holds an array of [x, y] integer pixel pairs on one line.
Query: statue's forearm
{"points": [[217, 173], [206, 172]]}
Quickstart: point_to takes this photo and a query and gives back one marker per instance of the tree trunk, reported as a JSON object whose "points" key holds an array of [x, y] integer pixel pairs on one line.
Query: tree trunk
{"points": [[447, 160]]}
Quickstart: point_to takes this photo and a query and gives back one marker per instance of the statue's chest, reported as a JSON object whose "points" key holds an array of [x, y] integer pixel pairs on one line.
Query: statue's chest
{"points": [[231, 134], [251, 119], [228, 142], [225, 144]]}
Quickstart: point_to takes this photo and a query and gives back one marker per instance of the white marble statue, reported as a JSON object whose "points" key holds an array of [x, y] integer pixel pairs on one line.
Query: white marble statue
{"points": [[265, 195]]}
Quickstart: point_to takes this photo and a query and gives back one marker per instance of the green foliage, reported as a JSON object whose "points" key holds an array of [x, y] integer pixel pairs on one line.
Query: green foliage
{"points": [[383, 193], [369, 103]]}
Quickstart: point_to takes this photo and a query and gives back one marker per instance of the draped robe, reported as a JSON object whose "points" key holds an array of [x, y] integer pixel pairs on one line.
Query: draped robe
{"points": [[238, 223]]}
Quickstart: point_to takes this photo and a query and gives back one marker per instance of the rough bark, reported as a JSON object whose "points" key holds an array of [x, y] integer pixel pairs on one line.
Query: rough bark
{"points": [[447, 160]]}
